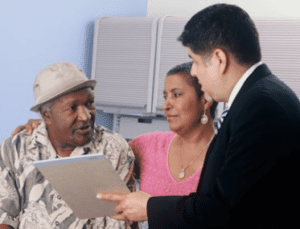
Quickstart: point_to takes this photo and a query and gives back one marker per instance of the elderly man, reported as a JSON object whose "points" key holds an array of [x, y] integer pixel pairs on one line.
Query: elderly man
{"points": [[65, 99]]}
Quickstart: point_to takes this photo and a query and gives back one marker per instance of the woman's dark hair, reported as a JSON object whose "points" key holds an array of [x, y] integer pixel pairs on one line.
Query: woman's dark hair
{"points": [[223, 26], [184, 70]]}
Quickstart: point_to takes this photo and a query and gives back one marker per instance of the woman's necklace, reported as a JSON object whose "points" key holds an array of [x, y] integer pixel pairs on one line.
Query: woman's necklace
{"points": [[181, 174]]}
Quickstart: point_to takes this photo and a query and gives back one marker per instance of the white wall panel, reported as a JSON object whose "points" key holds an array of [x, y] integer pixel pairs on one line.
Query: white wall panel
{"points": [[170, 52], [123, 63], [133, 55], [280, 46]]}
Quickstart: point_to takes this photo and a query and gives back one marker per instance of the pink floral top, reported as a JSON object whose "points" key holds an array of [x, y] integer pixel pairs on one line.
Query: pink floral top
{"points": [[156, 178]]}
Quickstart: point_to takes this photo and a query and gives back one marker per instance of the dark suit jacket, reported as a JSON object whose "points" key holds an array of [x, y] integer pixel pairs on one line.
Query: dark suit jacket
{"points": [[250, 174]]}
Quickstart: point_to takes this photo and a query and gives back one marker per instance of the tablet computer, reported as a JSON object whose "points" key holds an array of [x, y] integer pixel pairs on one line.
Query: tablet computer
{"points": [[78, 179]]}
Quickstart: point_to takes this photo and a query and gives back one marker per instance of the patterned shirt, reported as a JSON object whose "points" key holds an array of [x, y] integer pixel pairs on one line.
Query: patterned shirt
{"points": [[27, 199]]}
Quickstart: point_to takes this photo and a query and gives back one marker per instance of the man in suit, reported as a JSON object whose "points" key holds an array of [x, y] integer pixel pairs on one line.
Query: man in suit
{"points": [[249, 175]]}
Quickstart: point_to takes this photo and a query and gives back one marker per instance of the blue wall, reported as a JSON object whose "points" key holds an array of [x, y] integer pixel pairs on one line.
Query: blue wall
{"points": [[35, 34]]}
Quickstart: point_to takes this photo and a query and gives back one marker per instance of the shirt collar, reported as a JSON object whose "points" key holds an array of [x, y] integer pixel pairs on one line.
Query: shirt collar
{"points": [[237, 87], [40, 139], [39, 136]]}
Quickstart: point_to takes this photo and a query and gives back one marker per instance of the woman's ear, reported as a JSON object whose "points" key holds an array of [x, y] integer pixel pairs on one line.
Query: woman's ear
{"points": [[208, 102]]}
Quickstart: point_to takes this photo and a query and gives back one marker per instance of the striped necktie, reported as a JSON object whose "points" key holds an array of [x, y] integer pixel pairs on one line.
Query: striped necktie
{"points": [[221, 119]]}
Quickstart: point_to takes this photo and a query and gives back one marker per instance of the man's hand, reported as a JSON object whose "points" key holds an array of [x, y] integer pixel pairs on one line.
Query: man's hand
{"points": [[131, 206], [29, 126]]}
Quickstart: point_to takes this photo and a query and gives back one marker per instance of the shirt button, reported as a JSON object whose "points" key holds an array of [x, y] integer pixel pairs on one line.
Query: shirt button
{"points": [[58, 197], [56, 223]]}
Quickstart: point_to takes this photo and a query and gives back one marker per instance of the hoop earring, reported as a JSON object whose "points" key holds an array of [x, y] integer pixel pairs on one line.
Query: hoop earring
{"points": [[204, 118]]}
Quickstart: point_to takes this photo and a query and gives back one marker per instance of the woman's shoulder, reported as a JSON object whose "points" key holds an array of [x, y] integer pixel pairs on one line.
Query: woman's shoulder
{"points": [[156, 136], [153, 139]]}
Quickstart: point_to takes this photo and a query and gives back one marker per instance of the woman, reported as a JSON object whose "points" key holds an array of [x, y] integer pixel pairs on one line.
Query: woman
{"points": [[169, 163]]}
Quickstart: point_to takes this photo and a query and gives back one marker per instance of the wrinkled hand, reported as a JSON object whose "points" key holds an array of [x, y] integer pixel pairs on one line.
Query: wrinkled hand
{"points": [[132, 206], [29, 126]]}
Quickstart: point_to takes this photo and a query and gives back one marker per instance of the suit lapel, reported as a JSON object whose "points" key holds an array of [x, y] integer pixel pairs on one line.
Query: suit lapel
{"points": [[259, 73], [215, 151]]}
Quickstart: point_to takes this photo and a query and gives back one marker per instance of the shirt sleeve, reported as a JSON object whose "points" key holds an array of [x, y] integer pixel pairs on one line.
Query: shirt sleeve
{"points": [[9, 196], [122, 158], [120, 154]]}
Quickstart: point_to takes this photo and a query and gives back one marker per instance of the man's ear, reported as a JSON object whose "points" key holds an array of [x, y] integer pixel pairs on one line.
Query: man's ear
{"points": [[220, 60], [46, 116]]}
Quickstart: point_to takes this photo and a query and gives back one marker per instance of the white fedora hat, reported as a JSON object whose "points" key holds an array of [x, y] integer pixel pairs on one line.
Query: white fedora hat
{"points": [[56, 80]]}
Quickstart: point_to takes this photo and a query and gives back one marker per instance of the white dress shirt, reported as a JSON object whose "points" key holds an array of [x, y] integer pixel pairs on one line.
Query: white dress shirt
{"points": [[237, 87]]}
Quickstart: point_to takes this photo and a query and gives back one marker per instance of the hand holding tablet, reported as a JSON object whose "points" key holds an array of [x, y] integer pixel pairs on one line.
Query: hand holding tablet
{"points": [[79, 179]]}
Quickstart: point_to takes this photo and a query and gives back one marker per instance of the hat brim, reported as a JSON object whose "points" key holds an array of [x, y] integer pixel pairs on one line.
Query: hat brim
{"points": [[89, 83]]}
